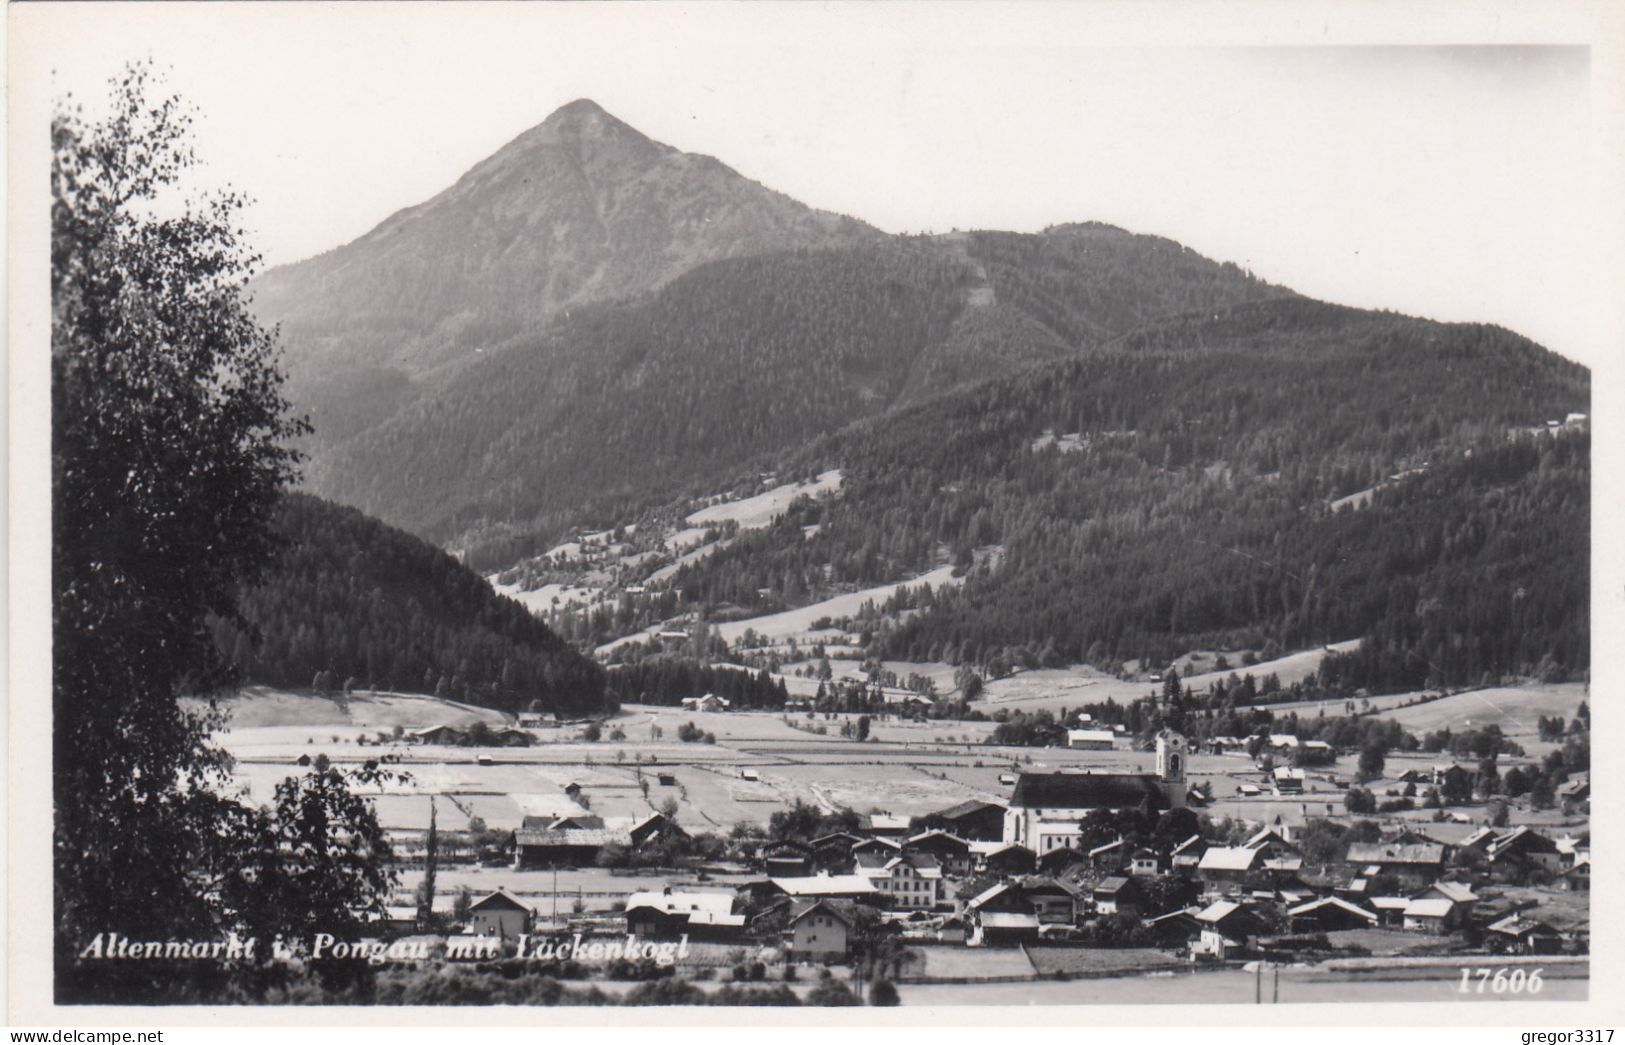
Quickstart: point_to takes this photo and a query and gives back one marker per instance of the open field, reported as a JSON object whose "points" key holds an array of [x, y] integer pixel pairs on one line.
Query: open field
{"points": [[798, 622], [1514, 709], [906, 767], [549, 597], [261, 706], [1092, 961], [953, 961], [1080, 684]]}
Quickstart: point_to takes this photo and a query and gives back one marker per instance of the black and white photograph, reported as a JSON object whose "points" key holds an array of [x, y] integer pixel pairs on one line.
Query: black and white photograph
{"points": [[926, 507]]}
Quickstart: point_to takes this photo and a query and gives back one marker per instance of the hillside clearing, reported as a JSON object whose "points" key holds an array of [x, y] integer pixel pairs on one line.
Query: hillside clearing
{"points": [[754, 513]]}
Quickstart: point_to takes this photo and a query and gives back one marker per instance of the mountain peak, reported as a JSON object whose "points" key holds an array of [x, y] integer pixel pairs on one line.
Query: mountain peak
{"points": [[582, 120]]}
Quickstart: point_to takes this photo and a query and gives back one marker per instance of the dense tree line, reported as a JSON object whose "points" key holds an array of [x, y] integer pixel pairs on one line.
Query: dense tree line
{"points": [[1194, 509], [349, 598], [666, 680]]}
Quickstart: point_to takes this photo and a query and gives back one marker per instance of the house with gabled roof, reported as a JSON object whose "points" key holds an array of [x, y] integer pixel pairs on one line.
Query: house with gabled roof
{"points": [[573, 822], [950, 851], [1460, 892], [1287, 780], [1273, 842], [1053, 901], [1145, 862], [1058, 861], [833, 852], [568, 847], [1522, 848], [1226, 928], [885, 825], [1188, 854], [1576, 878], [1517, 934], [973, 821], [1229, 869], [912, 880], [654, 827], [1108, 856], [670, 914], [1574, 791], [442, 734], [820, 929], [828, 886], [1416, 866], [787, 858], [1012, 859], [1329, 914], [1117, 894], [887, 847], [1000, 916], [1174, 928], [501, 915], [1390, 910], [1434, 914]]}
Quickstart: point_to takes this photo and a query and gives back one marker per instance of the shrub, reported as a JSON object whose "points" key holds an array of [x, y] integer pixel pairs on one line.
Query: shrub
{"points": [[884, 992], [831, 992], [778, 994]]}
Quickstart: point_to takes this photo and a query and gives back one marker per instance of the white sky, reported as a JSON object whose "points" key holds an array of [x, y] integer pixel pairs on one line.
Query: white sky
{"points": [[1446, 181]]}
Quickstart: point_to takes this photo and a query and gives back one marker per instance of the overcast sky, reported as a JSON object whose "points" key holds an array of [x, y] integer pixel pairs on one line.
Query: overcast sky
{"points": [[1445, 181]]}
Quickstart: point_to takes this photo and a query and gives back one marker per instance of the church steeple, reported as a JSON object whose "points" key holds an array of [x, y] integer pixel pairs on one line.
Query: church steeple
{"points": [[1171, 752]]}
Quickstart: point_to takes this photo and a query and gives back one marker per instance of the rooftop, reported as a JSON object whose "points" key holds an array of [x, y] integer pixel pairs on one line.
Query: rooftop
{"points": [[1228, 858], [1378, 853], [826, 885], [1087, 791]]}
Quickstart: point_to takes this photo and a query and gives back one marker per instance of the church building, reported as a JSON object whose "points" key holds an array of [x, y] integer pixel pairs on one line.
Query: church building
{"points": [[1046, 808]]}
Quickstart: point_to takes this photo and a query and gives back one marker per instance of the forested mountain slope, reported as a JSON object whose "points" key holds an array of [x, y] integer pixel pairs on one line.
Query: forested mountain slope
{"points": [[358, 599], [1182, 498], [622, 405]]}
